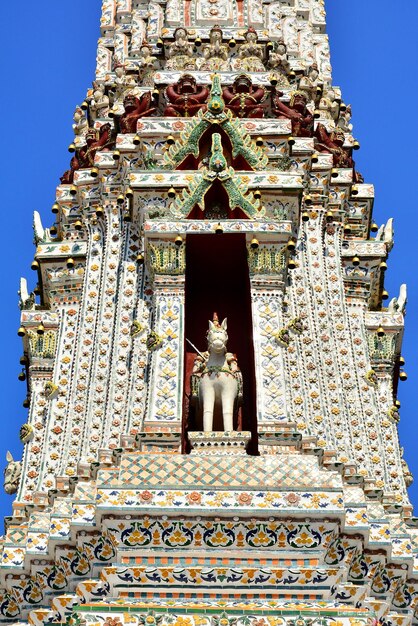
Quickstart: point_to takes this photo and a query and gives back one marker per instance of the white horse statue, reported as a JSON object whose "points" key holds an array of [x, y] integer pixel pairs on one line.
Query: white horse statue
{"points": [[12, 474], [216, 378]]}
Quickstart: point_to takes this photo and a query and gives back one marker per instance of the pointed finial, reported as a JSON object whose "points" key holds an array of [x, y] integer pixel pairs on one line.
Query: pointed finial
{"points": [[216, 104], [217, 161]]}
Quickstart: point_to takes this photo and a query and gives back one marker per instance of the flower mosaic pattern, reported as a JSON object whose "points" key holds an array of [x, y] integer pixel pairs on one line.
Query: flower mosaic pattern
{"points": [[167, 360]]}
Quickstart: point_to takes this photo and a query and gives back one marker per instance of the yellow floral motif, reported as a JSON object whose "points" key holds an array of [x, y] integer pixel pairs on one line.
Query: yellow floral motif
{"points": [[168, 373], [219, 538], [269, 351], [178, 537], [304, 539], [182, 621], [261, 539], [170, 315], [170, 334], [164, 391], [275, 621], [169, 353]]}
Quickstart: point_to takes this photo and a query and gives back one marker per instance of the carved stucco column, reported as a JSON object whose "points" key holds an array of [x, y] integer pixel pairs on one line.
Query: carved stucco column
{"points": [[166, 263], [267, 271]]}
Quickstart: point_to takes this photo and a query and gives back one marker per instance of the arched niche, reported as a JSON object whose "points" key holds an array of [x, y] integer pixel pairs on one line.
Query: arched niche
{"points": [[217, 279]]}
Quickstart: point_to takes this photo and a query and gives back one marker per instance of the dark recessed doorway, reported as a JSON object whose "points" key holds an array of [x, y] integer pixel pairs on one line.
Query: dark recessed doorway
{"points": [[217, 279]]}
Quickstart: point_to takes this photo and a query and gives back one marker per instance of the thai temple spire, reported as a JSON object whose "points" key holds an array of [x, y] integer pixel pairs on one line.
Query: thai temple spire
{"points": [[184, 467]]}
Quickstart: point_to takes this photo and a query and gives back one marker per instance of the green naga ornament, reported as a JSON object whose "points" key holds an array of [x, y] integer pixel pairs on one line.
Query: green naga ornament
{"points": [[217, 161], [234, 185], [216, 105]]}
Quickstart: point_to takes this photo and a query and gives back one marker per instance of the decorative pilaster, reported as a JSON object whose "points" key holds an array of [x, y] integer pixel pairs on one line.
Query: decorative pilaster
{"points": [[267, 265], [165, 341]]}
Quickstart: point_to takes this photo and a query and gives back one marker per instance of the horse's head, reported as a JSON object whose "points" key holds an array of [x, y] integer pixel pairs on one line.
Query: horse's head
{"points": [[12, 474], [217, 336]]}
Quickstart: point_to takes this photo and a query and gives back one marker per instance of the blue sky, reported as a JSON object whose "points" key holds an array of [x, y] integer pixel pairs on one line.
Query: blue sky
{"points": [[47, 62]]}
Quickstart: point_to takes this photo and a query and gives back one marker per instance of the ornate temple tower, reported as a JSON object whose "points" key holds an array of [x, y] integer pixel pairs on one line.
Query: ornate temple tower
{"points": [[212, 374]]}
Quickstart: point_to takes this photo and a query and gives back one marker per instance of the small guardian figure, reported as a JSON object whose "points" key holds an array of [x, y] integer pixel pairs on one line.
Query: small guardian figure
{"points": [[180, 54], [243, 98], [99, 104], [96, 139], [134, 109], [147, 64], [185, 98], [250, 54], [215, 53], [81, 125], [124, 82], [297, 112], [328, 107], [279, 64], [217, 379], [333, 143], [309, 82]]}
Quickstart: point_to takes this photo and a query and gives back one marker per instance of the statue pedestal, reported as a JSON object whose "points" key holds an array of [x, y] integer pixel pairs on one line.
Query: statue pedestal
{"points": [[219, 443]]}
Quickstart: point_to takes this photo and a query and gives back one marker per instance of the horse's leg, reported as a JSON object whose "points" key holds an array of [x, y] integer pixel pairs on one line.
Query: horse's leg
{"points": [[228, 399], [208, 408]]}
